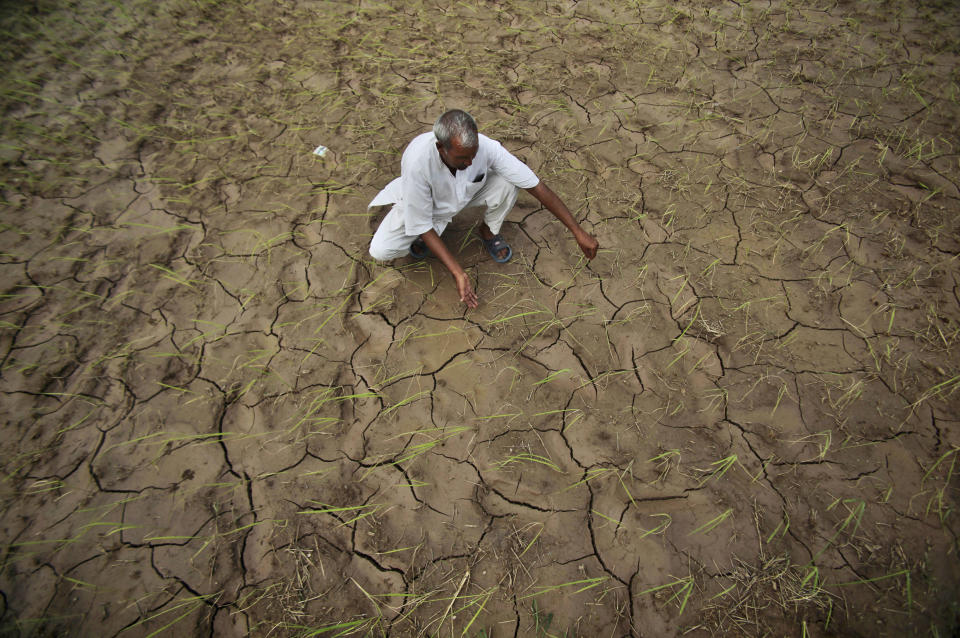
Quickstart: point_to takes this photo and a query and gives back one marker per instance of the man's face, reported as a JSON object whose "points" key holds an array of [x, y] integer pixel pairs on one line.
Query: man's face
{"points": [[457, 157]]}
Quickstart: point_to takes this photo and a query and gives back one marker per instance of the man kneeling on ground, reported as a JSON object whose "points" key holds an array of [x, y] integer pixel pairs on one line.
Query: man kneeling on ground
{"points": [[446, 171]]}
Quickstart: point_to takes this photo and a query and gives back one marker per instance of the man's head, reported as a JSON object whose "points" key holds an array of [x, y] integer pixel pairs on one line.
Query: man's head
{"points": [[457, 142]]}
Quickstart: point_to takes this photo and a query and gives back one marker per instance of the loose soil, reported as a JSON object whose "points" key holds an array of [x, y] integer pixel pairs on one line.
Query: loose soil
{"points": [[221, 417]]}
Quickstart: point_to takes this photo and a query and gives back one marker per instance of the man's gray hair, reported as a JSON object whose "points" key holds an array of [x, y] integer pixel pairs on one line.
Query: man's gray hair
{"points": [[456, 125]]}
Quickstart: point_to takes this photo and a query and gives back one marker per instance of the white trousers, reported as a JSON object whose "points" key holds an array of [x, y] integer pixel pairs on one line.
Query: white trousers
{"points": [[497, 197]]}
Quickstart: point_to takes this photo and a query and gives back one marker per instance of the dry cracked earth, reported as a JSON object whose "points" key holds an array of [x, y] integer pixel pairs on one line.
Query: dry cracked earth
{"points": [[221, 417]]}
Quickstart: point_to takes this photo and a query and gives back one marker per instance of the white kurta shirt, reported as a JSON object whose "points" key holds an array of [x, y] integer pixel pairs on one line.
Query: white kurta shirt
{"points": [[428, 193]]}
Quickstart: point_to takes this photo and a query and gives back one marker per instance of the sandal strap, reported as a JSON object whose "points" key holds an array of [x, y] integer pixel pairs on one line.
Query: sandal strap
{"points": [[497, 243]]}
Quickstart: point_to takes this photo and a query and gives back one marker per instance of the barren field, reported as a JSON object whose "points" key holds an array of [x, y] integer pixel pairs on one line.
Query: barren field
{"points": [[220, 417]]}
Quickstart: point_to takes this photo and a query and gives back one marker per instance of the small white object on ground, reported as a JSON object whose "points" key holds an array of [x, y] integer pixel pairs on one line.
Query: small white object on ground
{"points": [[320, 151]]}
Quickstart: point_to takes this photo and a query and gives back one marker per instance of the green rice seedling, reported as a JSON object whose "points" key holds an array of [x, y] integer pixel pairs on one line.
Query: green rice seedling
{"points": [[43, 485], [33, 626], [454, 598], [660, 527], [616, 524], [681, 588], [407, 332], [75, 424], [14, 555], [581, 585], [940, 501], [811, 581], [415, 450], [665, 462], [718, 399], [528, 457], [406, 401], [604, 375], [449, 330], [713, 523], [942, 390], [908, 589], [542, 326], [378, 619], [590, 474], [855, 508], [563, 411], [365, 625], [361, 511], [532, 541], [623, 483], [763, 468], [724, 592], [696, 315], [319, 398], [825, 438], [176, 441], [332, 313], [79, 583], [324, 309], [519, 315], [720, 468], [408, 603], [850, 394], [222, 535], [681, 354], [508, 415], [174, 277], [478, 600], [399, 549], [480, 607], [190, 604], [541, 621], [634, 313], [782, 391], [550, 377], [175, 388], [157, 230], [19, 366], [683, 285]]}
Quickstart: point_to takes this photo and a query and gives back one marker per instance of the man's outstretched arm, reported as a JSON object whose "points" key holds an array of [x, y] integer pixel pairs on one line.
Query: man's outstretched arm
{"points": [[588, 244], [438, 248]]}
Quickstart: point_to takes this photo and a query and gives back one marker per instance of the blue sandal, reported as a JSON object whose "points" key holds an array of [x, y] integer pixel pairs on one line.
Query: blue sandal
{"points": [[419, 250], [494, 245]]}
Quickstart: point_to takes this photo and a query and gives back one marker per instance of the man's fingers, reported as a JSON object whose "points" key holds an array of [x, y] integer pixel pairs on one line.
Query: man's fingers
{"points": [[469, 298], [467, 295], [589, 247]]}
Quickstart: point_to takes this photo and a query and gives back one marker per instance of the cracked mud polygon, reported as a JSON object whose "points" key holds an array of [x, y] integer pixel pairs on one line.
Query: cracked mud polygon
{"points": [[221, 418]]}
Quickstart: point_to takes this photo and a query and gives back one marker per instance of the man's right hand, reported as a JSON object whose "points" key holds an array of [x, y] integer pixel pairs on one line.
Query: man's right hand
{"points": [[588, 244], [438, 248], [467, 295]]}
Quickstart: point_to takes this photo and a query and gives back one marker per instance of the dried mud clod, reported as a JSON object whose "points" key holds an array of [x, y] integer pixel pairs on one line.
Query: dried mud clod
{"points": [[220, 417]]}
